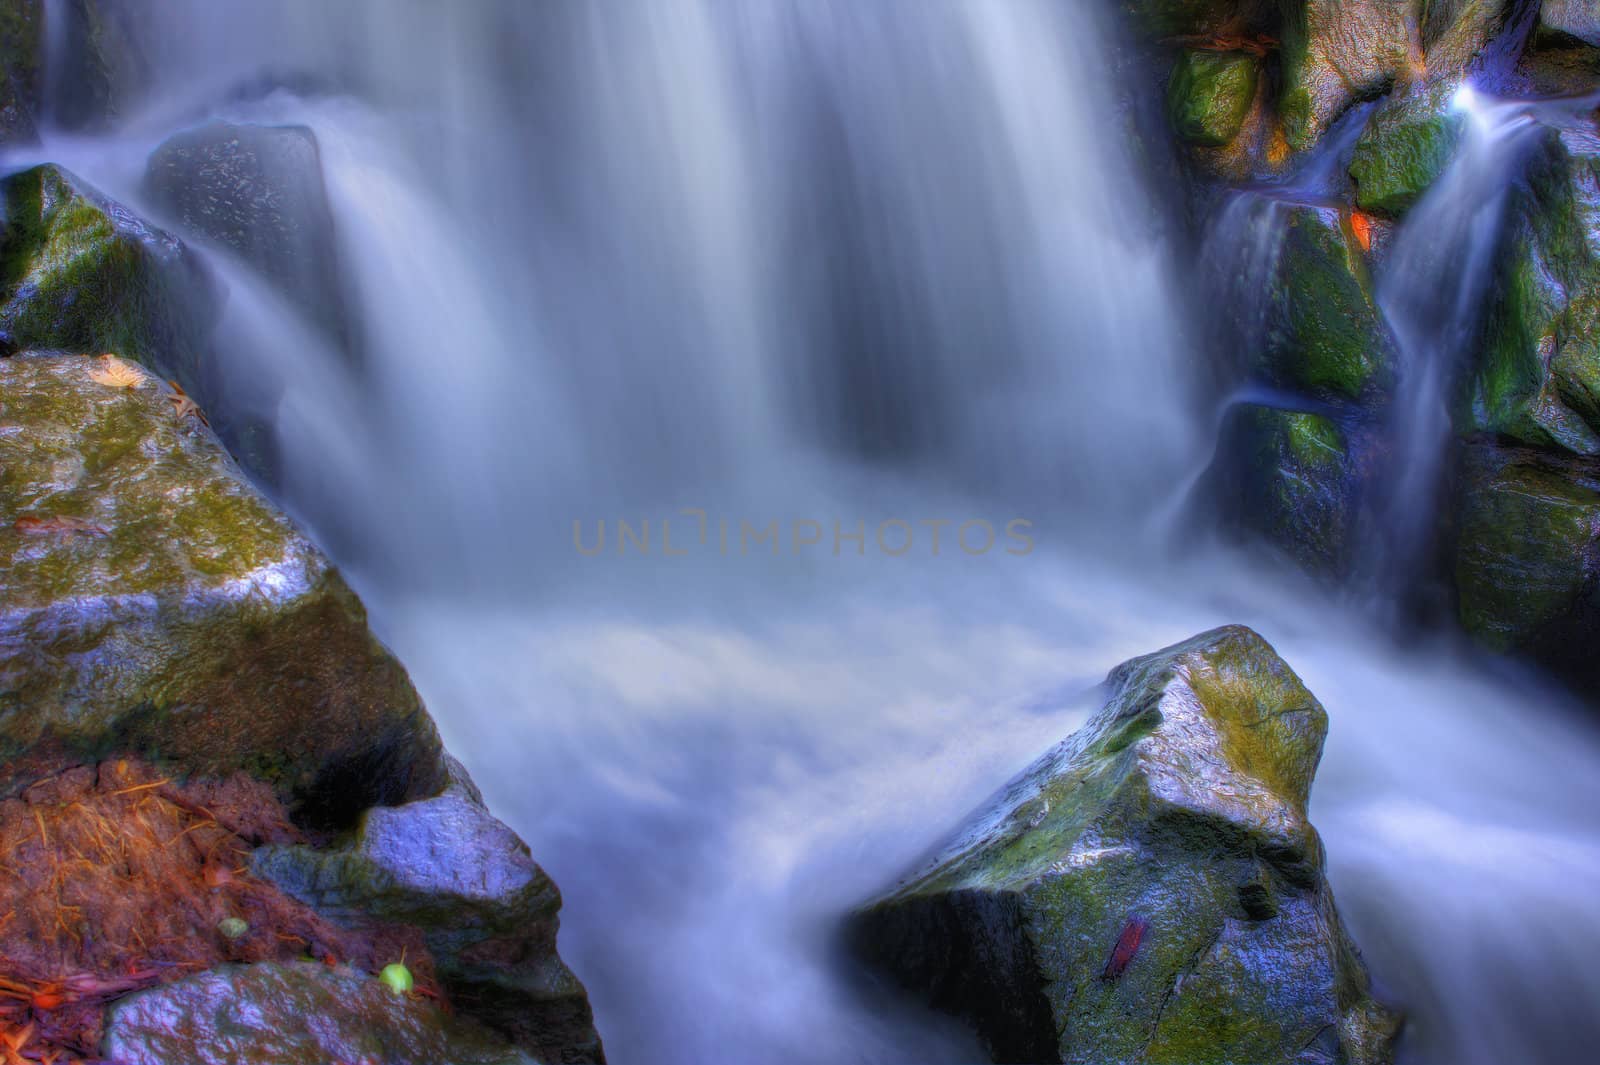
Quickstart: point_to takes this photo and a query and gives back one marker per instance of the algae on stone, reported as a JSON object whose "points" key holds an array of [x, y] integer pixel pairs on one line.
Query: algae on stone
{"points": [[1407, 144], [1179, 808], [200, 628], [1209, 95]]}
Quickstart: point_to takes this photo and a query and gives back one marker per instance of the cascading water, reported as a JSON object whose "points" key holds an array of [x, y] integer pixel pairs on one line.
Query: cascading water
{"points": [[839, 262]]}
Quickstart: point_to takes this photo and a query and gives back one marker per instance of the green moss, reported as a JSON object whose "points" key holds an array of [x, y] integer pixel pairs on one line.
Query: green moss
{"points": [[1406, 146], [1210, 94]]}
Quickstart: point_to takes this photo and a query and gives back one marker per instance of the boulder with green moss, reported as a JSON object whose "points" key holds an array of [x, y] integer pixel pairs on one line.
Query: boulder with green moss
{"points": [[1210, 94], [1527, 565], [80, 272], [1151, 890], [21, 47], [296, 1013], [1408, 142], [489, 913], [1295, 479], [1336, 52], [1536, 377], [154, 602], [1322, 332]]}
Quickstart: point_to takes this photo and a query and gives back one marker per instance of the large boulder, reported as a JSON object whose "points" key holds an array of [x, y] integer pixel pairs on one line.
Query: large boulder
{"points": [[1295, 479], [1536, 377], [80, 272], [488, 912], [1406, 145], [21, 40], [1151, 890], [155, 602], [259, 191], [1527, 563], [292, 1013]]}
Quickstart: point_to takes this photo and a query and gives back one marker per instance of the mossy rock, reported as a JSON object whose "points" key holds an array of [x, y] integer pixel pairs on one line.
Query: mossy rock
{"points": [[1454, 33], [21, 48], [1407, 144], [1574, 19], [1150, 890], [1528, 555], [1324, 334], [292, 1013], [1335, 53], [1295, 479], [1210, 95], [488, 912], [80, 272], [1536, 377], [154, 602]]}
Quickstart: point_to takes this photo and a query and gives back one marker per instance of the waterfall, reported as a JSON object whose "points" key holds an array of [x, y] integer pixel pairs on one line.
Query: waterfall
{"points": [[834, 261]]}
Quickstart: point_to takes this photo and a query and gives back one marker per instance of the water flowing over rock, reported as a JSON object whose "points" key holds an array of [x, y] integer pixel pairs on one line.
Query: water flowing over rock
{"points": [[1151, 890], [1336, 52], [295, 1013], [259, 191], [156, 602]]}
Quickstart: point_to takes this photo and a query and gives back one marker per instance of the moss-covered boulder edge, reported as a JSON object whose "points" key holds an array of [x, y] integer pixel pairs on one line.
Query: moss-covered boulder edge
{"points": [[154, 603], [1151, 890]]}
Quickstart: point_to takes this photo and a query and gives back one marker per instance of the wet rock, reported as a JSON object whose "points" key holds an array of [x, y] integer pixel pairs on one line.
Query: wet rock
{"points": [[1295, 479], [1323, 334], [1210, 95], [1172, 18], [259, 191], [488, 912], [1336, 52], [21, 45], [1150, 890], [1536, 378], [81, 272], [294, 1013], [1577, 19], [1528, 555], [1455, 32], [1407, 144], [104, 64], [155, 602]]}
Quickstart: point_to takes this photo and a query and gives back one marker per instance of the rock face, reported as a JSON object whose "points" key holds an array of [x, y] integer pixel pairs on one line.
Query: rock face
{"points": [[1295, 479], [295, 1013], [1528, 557], [259, 191], [1151, 890], [1407, 144], [1336, 52], [489, 913], [155, 602], [1579, 19], [21, 35], [1537, 378]]}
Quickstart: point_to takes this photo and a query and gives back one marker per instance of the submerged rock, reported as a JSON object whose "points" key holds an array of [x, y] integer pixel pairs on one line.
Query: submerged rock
{"points": [[259, 191], [1536, 378], [487, 911], [81, 272], [294, 1013], [1295, 479], [155, 602], [1151, 890], [1407, 144], [1528, 555], [1210, 94]]}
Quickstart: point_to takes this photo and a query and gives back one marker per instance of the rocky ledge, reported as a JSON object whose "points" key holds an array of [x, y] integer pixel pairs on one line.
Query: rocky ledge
{"points": [[1151, 890]]}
